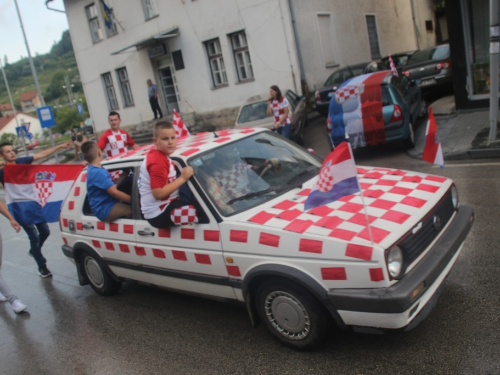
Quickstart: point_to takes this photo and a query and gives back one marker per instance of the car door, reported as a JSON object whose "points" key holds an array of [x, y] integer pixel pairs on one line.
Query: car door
{"points": [[186, 257], [115, 241], [299, 114]]}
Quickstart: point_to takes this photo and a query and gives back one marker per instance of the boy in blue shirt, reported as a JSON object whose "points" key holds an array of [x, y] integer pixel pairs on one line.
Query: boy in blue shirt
{"points": [[104, 197]]}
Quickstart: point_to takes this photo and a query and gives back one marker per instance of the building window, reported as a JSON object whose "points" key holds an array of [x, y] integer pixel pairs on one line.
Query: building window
{"points": [[149, 8], [95, 29], [110, 91], [125, 87], [241, 56], [109, 21], [371, 24], [216, 62], [326, 38]]}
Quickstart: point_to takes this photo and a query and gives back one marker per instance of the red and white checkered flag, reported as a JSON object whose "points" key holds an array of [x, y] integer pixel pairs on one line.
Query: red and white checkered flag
{"points": [[181, 130], [393, 67]]}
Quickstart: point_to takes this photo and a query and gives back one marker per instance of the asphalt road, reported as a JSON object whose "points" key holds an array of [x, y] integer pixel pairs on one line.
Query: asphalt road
{"points": [[143, 330]]}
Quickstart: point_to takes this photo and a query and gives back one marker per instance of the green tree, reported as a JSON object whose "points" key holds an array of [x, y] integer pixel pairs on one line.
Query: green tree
{"points": [[8, 137], [66, 118]]}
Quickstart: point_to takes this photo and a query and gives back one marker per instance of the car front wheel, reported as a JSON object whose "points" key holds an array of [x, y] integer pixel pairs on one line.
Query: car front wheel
{"points": [[291, 314], [99, 278]]}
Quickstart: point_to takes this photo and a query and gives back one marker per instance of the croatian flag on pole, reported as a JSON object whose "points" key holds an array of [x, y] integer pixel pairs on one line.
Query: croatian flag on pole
{"points": [[181, 130], [35, 193], [433, 153], [337, 178]]}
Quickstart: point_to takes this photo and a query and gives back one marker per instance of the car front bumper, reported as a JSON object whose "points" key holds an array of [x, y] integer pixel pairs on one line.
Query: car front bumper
{"points": [[393, 307]]}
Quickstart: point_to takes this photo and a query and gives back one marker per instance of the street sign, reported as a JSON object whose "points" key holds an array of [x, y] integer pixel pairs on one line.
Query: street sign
{"points": [[46, 117], [79, 107], [21, 131], [29, 136]]}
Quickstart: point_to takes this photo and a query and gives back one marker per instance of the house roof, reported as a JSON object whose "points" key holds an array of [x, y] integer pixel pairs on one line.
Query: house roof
{"points": [[28, 95], [5, 120], [5, 107]]}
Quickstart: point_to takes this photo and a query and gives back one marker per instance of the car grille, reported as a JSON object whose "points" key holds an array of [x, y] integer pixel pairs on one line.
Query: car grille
{"points": [[415, 244]]}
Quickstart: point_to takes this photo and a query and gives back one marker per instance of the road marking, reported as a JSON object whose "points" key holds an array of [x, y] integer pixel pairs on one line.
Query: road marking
{"points": [[468, 165]]}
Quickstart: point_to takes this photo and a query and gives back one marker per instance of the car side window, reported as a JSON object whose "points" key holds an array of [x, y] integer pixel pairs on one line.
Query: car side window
{"points": [[123, 178], [293, 99], [386, 96]]}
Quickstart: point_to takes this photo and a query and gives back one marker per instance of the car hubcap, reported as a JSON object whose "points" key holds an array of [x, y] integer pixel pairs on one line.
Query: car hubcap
{"points": [[287, 315], [94, 272]]}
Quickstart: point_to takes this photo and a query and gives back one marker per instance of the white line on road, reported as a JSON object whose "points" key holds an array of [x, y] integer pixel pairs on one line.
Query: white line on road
{"points": [[468, 165]]}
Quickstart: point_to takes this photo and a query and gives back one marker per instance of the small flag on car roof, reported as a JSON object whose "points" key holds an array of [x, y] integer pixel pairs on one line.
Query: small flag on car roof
{"points": [[433, 153], [393, 67], [181, 130]]}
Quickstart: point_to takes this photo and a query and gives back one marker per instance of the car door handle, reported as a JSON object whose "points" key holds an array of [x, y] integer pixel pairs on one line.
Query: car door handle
{"points": [[146, 233], [88, 226]]}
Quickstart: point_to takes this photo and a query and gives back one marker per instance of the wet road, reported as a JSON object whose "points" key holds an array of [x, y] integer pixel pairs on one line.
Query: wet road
{"points": [[71, 330]]}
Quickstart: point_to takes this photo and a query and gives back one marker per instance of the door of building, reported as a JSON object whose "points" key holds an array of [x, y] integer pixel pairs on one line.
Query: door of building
{"points": [[168, 84]]}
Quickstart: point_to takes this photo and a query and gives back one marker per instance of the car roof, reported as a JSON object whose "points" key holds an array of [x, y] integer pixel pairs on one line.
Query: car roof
{"points": [[189, 146], [363, 78]]}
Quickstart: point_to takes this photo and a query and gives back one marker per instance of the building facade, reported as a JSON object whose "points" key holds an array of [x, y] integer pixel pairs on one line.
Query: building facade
{"points": [[208, 57], [8, 124], [30, 101], [6, 110]]}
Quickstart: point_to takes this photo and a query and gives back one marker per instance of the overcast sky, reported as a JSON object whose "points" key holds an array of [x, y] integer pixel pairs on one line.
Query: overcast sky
{"points": [[42, 27]]}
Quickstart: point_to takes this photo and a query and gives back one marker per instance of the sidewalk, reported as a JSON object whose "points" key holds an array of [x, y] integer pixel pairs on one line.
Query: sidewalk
{"points": [[463, 135]]}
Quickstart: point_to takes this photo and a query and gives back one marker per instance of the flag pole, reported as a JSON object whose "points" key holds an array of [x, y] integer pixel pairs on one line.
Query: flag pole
{"points": [[363, 201]]}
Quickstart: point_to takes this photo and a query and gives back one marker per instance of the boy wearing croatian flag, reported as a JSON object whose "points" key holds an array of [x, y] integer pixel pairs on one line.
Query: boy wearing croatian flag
{"points": [[24, 204], [337, 178], [433, 153]]}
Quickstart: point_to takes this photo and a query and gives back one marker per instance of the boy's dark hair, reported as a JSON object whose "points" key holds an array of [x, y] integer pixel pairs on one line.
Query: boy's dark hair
{"points": [[160, 126], [89, 150], [114, 113], [278, 92], [4, 144]]}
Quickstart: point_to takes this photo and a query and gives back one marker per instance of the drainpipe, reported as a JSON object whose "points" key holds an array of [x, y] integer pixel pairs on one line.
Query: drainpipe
{"points": [[287, 47], [297, 45], [494, 59], [417, 34], [55, 10]]}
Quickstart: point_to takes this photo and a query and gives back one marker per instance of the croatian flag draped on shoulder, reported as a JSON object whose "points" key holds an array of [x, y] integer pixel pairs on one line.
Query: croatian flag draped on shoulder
{"points": [[35, 193], [337, 178]]}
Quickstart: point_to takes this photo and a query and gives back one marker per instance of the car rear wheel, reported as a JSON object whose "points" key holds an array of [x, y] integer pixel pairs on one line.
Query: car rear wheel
{"points": [[291, 314], [423, 109], [99, 278], [410, 141]]}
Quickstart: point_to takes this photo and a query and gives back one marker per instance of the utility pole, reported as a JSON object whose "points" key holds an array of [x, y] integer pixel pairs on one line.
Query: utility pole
{"points": [[12, 105], [35, 77], [68, 86], [494, 60]]}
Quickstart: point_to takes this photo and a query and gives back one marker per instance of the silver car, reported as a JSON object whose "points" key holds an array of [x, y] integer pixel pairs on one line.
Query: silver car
{"points": [[253, 113]]}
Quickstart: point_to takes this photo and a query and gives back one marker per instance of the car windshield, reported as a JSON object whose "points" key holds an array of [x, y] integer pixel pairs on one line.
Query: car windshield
{"points": [[253, 112], [432, 54], [251, 171], [342, 75]]}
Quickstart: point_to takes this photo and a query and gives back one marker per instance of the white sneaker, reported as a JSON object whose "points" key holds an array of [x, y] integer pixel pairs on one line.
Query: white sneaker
{"points": [[18, 306], [2, 298]]}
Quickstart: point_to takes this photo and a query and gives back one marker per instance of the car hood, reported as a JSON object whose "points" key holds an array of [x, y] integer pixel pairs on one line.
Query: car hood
{"points": [[396, 202], [266, 122]]}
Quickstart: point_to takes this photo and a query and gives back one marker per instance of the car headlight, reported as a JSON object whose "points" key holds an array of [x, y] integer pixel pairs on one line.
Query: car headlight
{"points": [[454, 196], [395, 262]]}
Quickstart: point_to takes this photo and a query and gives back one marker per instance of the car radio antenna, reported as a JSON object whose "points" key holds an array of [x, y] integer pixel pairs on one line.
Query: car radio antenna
{"points": [[211, 128]]}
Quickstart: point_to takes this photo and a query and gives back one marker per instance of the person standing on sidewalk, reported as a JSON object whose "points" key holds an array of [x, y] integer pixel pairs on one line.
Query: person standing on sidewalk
{"points": [[5, 293], [39, 231], [153, 100], [115, 141], [278, 106]]}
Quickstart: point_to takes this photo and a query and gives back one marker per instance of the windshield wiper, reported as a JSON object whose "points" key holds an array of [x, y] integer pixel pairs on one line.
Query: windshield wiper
{"points": [[255, 194], [305, 172]]}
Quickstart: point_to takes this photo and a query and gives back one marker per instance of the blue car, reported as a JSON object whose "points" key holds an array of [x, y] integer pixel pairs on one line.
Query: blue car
{"points": [[374, 109]]}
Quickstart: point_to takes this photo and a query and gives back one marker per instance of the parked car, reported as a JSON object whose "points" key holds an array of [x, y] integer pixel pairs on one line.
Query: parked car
{"points": [[401, 105], [296, 272], [400, 59], [324, 94], [431, 68], [253, 113], [87, 127]]}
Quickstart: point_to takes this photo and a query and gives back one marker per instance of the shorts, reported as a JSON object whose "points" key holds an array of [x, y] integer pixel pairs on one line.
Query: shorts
{"points": [[119, 210]]}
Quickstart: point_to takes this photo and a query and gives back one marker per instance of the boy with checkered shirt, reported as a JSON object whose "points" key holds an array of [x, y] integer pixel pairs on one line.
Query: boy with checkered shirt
{"points": [[159, 185], [104, 197]]}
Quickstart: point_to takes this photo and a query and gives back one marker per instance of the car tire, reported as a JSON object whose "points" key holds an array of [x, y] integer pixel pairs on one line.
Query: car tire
{"points": [[423, 110], [98, 276], [291, 314], [410, 141]]}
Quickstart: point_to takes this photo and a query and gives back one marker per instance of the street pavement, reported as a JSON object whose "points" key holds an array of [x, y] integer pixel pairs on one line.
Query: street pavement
{"points": [[69, 329]]}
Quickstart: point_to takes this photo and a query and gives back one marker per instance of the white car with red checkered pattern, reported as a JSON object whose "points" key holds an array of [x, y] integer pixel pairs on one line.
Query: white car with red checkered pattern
{"points": [[297, 272]]}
